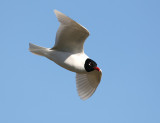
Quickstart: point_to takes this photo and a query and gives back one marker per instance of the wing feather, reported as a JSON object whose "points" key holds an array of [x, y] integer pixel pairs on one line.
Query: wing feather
{"points": [[70, 36], [87, 83]]}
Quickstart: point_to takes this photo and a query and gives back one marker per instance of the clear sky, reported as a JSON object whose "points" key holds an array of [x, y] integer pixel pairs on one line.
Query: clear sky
{"points": [[124, 40]]}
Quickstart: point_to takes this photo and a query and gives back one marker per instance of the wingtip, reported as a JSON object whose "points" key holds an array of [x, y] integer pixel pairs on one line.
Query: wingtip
{"points": [[30, 43], [54, 10], [83, 99], [29, 46]]}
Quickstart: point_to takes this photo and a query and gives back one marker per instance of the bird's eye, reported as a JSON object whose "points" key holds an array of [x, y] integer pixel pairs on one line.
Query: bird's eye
{"points": [[89, 65]]}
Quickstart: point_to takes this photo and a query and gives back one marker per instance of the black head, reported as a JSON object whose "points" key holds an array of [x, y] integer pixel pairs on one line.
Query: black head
{"points": [[90, 65]]}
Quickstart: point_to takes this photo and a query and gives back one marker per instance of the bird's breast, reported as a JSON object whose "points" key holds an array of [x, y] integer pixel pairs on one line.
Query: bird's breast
{"points": [[69, 61]]}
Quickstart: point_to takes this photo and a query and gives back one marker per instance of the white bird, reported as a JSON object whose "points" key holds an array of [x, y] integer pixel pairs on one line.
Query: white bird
{"points": [[68, 52]]}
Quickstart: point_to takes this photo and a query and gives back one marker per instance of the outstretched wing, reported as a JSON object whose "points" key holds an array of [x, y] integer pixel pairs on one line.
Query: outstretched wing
{"points": [[70, 36], [87, 83]]}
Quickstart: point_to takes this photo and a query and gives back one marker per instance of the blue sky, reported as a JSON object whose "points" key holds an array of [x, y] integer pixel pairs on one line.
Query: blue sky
{"points": [[124, 40]]}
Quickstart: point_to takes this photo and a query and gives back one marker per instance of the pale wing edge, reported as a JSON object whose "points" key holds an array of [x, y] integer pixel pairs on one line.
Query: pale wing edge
{"points": [[67, 21], [84, 88]]}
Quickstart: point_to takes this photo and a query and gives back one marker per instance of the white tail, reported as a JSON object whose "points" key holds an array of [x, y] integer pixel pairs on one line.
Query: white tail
{"points": [[37, 49]]}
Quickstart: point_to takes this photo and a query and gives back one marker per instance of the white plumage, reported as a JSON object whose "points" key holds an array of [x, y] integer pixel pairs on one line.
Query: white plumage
{"points": [[68, 52]]}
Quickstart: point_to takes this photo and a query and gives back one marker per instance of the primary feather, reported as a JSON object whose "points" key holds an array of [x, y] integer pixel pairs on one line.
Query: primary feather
{"points": [[70, 36]]}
